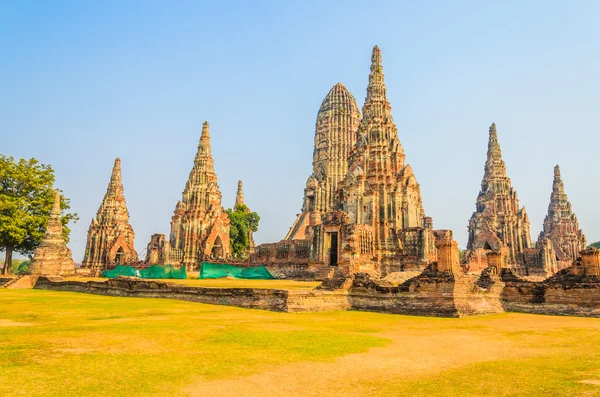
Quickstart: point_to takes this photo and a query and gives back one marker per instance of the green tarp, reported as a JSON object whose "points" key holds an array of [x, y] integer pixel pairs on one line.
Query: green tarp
{"points": [[154, 271], [120, 271], [218, 270], [167, 271]]}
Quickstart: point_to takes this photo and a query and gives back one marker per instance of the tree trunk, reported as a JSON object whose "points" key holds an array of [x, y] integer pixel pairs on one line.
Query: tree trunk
{"points": [[8, 260]]}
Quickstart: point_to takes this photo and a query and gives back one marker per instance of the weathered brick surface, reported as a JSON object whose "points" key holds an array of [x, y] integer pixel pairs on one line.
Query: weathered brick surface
{"points": [[565, 293], [52, 256], [250, 298], [432, 293]]}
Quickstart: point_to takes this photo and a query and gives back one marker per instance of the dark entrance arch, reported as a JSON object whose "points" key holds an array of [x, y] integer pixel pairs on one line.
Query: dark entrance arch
{"points": [[217, 249], [120, 256]]}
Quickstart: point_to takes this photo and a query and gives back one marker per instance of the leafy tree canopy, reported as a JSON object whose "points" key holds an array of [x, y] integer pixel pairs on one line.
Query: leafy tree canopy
{"points": [[596, 245], [242, 222], [26, 199]]}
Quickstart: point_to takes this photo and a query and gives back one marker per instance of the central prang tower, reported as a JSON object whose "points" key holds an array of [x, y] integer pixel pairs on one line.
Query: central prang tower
{"points": [[362, 209], [380, 194]]}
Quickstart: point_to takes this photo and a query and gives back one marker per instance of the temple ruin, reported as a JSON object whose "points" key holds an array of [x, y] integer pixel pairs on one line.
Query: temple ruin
{"points": [[110, 238], [498, 223], [335, 136], [200, 225], [52, 257], [362, 208], [362, 230], [561, 228]]}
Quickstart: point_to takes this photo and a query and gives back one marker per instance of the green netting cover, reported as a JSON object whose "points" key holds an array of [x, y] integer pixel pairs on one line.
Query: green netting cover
{"points": [[167, 271], [120, 271], [218, 270], [154, 271]]}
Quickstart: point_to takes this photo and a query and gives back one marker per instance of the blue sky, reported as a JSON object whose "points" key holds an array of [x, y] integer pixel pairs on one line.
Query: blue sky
{"points": [[86, 82]]}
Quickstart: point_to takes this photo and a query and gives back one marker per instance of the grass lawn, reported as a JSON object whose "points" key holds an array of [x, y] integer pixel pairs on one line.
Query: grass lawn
{"points": [[70, 344], [229, 283]]}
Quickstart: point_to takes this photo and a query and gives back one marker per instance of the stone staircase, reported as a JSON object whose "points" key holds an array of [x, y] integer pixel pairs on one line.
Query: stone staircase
{"points": [[4, 280], [24, 281]]}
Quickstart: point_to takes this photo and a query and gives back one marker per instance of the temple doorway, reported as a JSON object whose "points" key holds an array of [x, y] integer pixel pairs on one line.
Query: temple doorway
{"points": [[217, 249], [120, 256], [333, 249]]}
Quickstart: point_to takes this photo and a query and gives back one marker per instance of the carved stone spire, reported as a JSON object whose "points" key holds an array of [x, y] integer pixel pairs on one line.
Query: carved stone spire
{"points": [[558, 187], [377, 126], [498, 221], [239, 197], [203, 160], [494, 164], [201, 188], [335, 137], [113, 207], [199, 219], [376, 104], [52, 257], [110, 239], [379, 189], [561, 225]]}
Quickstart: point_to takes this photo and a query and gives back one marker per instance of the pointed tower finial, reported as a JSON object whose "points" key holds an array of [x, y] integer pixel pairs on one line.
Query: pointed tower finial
{"points": [[376, 103], [239, 197], [203, 157], [376, 59], [115, 186], [113, 196], [116, 171], [56, 205], [205, 135], [558, 186], [494, 165]]}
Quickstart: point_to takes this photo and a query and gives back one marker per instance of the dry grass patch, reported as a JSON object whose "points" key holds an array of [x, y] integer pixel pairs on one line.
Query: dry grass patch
{"points": [[89, 345]]}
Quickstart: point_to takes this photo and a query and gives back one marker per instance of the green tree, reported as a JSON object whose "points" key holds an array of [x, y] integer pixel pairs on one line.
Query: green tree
{"points": [[20, 266], [596, 245], [242, 222], [26, 198]]}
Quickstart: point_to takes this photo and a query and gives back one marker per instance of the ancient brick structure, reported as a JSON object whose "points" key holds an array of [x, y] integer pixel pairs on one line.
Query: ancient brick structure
{"points": [[561, 227], [200, 225], [239, 200], [362, 207], [110, 239], [498, 224], [52, 257], [387, 227], [335, 137]]}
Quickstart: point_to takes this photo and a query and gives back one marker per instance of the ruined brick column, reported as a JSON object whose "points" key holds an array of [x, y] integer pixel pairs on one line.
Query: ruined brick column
{"points": [[239, 196], [52, 257], [239, 200], [590, 259], [447, 252]]}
